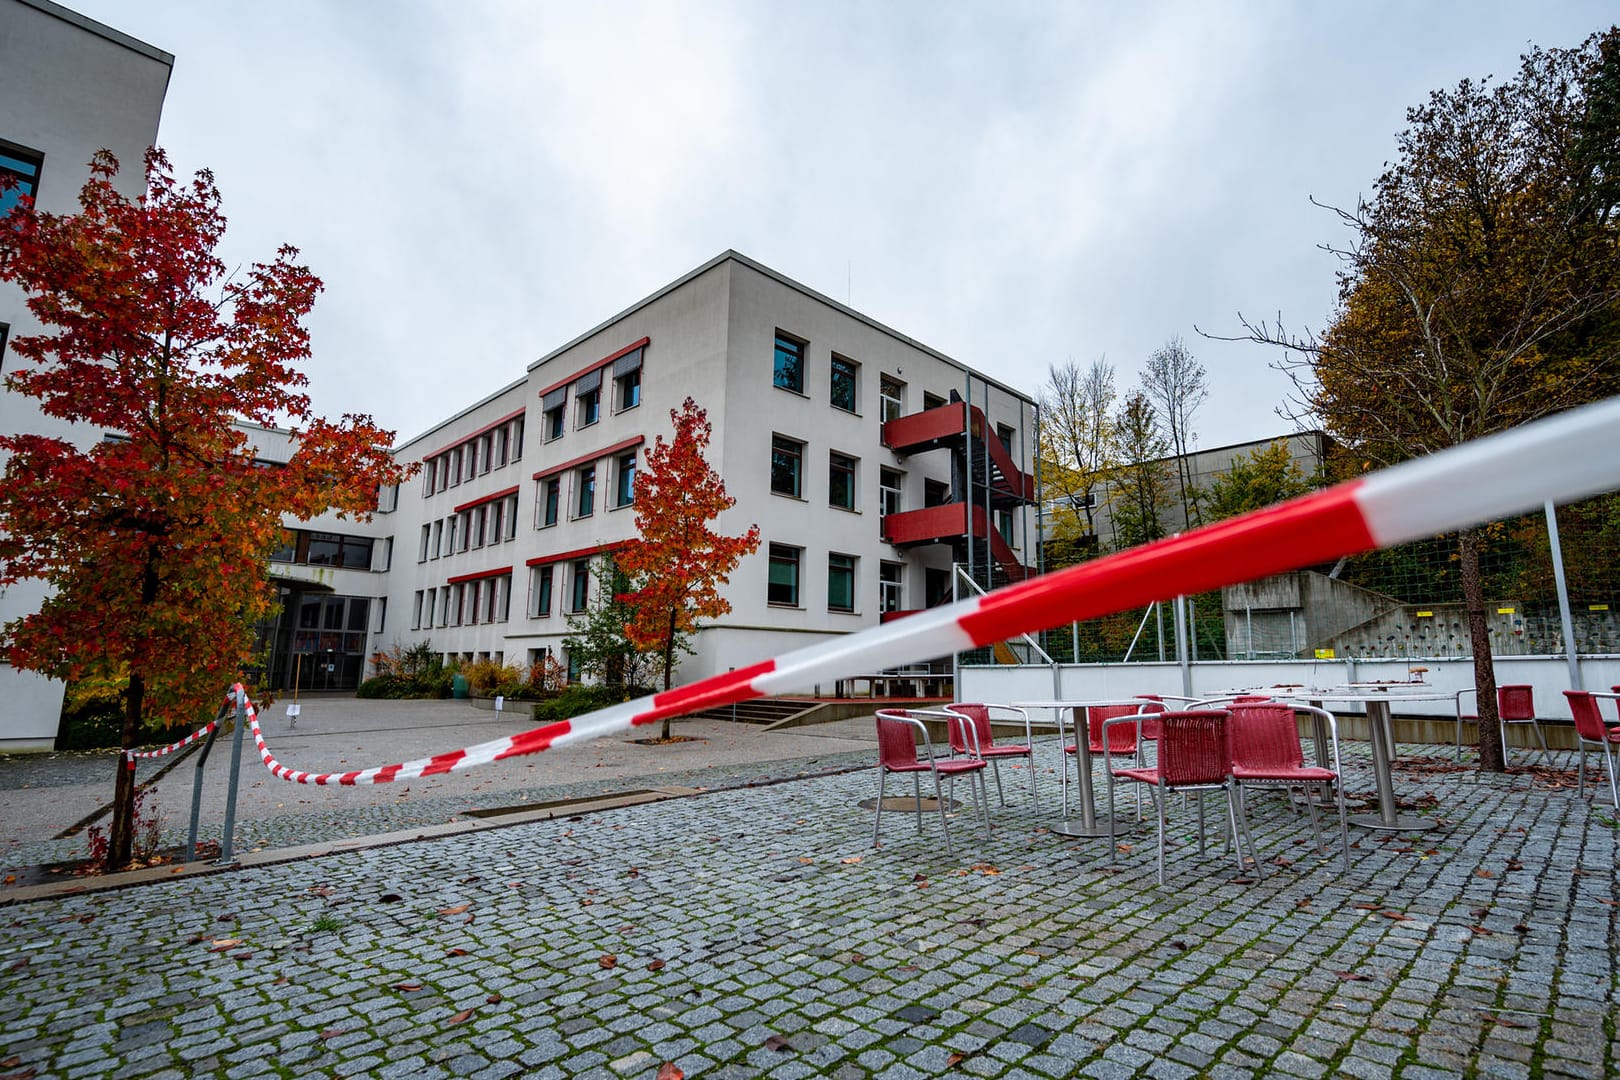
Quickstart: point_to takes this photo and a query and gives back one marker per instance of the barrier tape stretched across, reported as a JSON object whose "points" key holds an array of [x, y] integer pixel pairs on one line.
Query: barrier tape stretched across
{"points": [[172, 747], [1559, 459]]}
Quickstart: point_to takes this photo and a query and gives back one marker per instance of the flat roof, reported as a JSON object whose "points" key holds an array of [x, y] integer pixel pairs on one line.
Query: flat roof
{"points": [[102, 30]]}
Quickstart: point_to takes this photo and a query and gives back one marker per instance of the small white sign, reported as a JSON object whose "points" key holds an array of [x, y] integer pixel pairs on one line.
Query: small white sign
{"points": [[500, 702], [292, 712]]}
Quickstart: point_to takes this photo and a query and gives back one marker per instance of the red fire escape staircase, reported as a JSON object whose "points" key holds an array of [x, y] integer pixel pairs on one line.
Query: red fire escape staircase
{"points": [[958, 523]]}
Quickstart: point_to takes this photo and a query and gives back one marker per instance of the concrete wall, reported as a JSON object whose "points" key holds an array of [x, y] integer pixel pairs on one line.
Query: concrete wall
{"points": [[69, 86]]}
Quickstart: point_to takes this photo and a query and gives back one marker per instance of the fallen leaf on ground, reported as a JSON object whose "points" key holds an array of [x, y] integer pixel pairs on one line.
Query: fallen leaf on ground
{"points": [[655, 965], [408, 987], [493, 999], [1396, 915], [460, 1017], [1504, 1021], [457, 910], [608, 960], [1351, 976], [668, 1071], [954, 1060], [332, 1033], [778, 1043], [458, 951], [852, 859], [221, 944], [1484, 873]]}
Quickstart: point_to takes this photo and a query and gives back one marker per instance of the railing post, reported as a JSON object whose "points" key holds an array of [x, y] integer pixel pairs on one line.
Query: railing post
{"points": [[196, 794], [227, 847]]}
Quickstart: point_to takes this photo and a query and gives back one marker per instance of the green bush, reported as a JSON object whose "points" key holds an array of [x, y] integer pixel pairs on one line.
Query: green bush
{"points": [[578, 700]]}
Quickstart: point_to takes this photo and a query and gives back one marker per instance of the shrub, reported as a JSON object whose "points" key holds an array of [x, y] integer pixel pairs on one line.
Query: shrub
{"points": [[416, 672], [578, 700]]}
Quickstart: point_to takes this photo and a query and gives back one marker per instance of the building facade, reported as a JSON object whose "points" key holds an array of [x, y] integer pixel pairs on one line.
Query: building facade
{"points": [[69, 86], [870, 462]]}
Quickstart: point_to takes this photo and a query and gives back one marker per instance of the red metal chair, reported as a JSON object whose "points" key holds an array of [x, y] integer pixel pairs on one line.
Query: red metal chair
{"points": [[897, 731], [1590, 727], [1266, 752], [1515, 704], [973, 737], [1194, 755]]}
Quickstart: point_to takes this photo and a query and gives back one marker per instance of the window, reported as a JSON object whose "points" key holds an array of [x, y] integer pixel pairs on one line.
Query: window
{"points": [[580, 597], [503, 611], [438, 539], [23, 166], [511, 516], [443, 471], [1004, 525], [890, 486], [625, 490], [464, 523], [936, 586], [475, 596], [517, 438], [783, 584], [788, 372], [472, 460], [932, 401], [497, 511], [486, 445], [458, 604], [588, 393], [840, 582], [627, 381], [444, 606], [1005, 434], [335, 549], [540, 593], [502, 434], [840, 481], [477, 517], [454, 457], [787, 460], [416, 610], [550, 497], [844, 379], [891, 586], [891, 397], [427, 606], [552, 406], [429, 467], [585, 486], [936, 493], [451, 524]]}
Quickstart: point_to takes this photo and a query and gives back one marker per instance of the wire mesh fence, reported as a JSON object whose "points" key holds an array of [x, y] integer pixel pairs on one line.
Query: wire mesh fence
{"points": [[1404, 602]]}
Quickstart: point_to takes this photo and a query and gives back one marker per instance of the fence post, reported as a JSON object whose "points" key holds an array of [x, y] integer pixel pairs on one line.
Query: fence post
{"points": [[196, 794], [1557, 553], [226, 845], [1182, 653]]}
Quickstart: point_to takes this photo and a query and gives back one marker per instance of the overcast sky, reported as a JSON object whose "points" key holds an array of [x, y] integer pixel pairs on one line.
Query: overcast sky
{"points": [[1012, 184]]}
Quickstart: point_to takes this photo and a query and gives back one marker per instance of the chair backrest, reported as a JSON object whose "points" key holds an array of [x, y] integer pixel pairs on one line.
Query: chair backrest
{"points": [[979, 717], [1249, 699], [1265, 735], [897, 738], [1193, 747], [1155, 705], [1588, 721], [1121, 737], [1516, 701]]}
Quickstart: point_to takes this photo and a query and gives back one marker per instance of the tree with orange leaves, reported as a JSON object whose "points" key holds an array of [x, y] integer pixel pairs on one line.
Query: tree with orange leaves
{"points": [[679, 562], [154, 538]]}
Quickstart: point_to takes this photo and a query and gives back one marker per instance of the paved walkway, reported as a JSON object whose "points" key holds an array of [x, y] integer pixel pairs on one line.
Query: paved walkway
{"points": [[754, 931]]}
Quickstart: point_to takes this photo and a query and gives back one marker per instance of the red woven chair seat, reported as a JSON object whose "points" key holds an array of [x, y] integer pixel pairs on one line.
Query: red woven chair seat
{"points": [[1308, 774]]}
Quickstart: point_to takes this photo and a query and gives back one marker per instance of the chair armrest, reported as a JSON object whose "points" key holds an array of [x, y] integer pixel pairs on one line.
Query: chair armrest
{"points": [[1333, 733]]}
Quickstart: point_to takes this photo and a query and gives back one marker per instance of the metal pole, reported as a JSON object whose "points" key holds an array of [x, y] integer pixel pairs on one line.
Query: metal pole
{"points": [[1181, 646], [1563, 597], [1192, 627], [226, 846], [967, 472], [196, 794], [1139, 628], [989, 510], [1158, 625], [1248, 619]]}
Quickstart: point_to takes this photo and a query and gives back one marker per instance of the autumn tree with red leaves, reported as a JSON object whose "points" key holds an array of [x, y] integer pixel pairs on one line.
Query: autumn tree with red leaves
{"points": [[679, 562], [154, 538]]}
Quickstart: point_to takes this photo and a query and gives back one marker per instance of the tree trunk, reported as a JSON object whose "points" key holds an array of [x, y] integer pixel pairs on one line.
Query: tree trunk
{"points": [[1491, 755], [669, 664], [121, 842]]}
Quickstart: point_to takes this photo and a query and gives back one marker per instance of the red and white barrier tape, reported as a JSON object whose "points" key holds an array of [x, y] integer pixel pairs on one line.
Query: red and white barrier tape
{"points": [[172, 747], [1559, 459]]}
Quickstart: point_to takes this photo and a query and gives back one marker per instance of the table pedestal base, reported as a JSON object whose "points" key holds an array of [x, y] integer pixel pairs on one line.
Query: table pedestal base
{"points": [[1401, 822], [1075, 827]]}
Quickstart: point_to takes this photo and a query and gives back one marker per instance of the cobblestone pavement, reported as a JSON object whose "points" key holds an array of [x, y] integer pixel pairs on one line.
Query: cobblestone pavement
{"points": [[755, 931]]}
